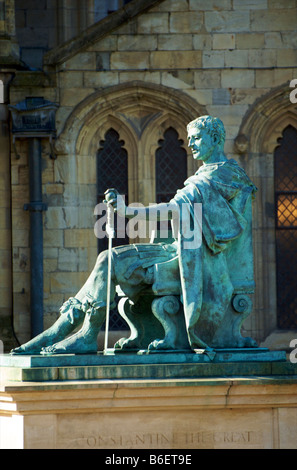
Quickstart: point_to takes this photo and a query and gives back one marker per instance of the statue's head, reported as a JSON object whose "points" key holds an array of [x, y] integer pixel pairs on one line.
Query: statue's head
{"points": [[212, 125]]}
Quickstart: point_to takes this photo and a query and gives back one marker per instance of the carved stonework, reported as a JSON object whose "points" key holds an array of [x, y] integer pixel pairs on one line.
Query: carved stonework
{"points": [[241, 144]]}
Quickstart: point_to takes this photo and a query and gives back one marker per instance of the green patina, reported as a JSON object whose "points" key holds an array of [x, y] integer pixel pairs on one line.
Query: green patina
{"points": [[187, 294]]}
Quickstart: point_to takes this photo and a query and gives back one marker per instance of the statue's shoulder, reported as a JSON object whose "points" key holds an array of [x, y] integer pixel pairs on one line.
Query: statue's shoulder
{"points": [[229, 170], [219, 170], [228, 173]]}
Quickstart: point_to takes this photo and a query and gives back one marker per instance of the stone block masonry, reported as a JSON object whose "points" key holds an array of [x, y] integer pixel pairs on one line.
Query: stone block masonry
{"points": [[222, 54]]}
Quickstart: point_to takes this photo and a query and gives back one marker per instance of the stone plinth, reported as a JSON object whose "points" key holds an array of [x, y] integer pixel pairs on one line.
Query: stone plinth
{"points": [[245, 405], [142, 365]]}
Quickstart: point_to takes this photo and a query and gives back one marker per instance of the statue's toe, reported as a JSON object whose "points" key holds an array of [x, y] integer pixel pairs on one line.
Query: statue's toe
{"points": [[157, 344], [24, 350], [48, 350], [19, 350], [73, 345]]}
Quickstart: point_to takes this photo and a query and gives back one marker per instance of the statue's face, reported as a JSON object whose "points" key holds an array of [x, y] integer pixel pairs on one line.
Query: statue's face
{"points": [[201, 143]]}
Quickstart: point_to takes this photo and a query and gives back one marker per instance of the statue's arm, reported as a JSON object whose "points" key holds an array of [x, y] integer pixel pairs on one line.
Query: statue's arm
{"points": [[153, 212]]}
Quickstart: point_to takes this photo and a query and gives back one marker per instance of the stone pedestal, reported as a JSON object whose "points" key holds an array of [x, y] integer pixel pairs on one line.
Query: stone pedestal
{"points": [[183, 404]]}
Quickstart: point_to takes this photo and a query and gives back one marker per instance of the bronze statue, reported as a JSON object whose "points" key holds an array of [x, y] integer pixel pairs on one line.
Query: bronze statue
{"points": [[195, 287]]}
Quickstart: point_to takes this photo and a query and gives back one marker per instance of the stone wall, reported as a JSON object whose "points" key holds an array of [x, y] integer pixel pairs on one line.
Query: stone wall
{"points": [[220, 57], [45, 24]]}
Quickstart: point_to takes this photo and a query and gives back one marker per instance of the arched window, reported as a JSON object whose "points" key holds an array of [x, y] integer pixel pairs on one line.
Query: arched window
{"points": [[112, 172], [285, 181], [171, 166], [171, 172]]}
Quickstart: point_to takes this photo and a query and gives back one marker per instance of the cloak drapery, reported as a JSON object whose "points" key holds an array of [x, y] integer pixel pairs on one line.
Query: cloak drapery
{"points": [[223, 263]]}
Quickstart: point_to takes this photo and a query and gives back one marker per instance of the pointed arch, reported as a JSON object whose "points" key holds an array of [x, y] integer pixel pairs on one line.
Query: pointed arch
{"points": [[136, 103], [265, 120], [171, 165], [262, 127], [112, 163], [139, 112], [150, 143]]}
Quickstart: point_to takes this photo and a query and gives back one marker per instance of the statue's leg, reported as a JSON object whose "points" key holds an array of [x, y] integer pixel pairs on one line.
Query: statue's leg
{"points": [[73, 311], [72, 315], [94, 293], [85, 340]]}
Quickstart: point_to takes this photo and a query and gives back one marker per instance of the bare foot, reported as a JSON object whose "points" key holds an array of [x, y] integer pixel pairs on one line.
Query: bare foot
{"points": [[85, 340], [71, 317], [75, 344]]}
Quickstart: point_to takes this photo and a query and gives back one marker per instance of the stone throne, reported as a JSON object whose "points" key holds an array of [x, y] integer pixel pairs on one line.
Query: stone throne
{"points": [[156, 319]]}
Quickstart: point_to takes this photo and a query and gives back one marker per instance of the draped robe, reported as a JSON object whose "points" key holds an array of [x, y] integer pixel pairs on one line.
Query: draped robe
{"points": [[207, 280]]}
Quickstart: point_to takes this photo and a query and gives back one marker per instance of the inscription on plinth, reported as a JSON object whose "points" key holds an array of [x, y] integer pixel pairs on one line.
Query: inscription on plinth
{"points": [[165, 430], [189, 440]]}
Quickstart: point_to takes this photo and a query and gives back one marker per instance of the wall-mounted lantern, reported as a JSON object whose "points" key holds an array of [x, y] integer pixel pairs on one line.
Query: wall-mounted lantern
{"points": [[34, 117]]}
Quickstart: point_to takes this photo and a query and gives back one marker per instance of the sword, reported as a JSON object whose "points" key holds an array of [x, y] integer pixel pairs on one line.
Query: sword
{"points": [[111, 234]]}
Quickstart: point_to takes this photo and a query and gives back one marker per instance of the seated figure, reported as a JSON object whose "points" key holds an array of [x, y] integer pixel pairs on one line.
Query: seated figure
{"points": [[207, 270]]}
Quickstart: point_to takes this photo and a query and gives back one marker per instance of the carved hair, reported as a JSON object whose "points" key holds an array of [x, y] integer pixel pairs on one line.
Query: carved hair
{"points": [[212, 125]]}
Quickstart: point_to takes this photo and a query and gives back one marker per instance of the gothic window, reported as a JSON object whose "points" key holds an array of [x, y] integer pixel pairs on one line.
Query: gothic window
{"points": [[171, 166], [285, 180], [171, 172], [112, 172]]}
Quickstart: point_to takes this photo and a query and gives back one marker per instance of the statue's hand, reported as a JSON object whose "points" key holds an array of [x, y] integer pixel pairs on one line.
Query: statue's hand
{"points": [[113, 198]]}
